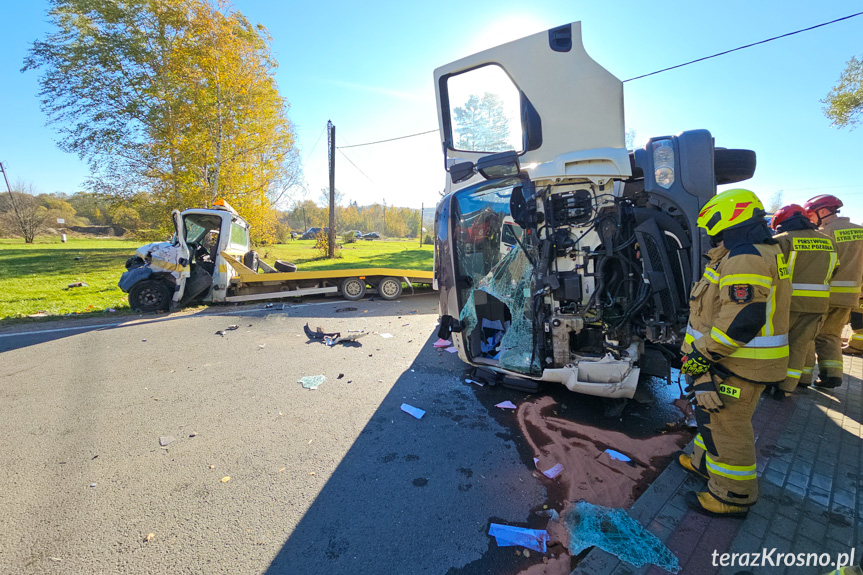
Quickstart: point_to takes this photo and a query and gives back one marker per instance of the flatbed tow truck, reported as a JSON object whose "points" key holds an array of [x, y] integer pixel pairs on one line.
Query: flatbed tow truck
{"points": [[209, 260]]}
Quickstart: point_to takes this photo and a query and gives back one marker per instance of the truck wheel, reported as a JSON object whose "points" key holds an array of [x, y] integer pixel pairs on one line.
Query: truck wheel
{"points": [[353, 289], [390, 288], [149, 296], [283, 266], [250, 260], [731, 166]]}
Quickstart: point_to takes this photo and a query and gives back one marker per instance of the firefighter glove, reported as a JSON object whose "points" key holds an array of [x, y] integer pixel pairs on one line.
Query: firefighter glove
{"points": [[703, 394], [693, 363]]}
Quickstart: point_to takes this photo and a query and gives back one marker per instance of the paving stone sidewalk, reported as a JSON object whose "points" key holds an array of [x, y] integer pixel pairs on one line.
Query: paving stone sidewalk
{"points": [[811, 491]]}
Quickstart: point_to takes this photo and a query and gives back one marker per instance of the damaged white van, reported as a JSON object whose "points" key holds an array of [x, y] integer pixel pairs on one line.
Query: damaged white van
{"points": [[561, 256]]}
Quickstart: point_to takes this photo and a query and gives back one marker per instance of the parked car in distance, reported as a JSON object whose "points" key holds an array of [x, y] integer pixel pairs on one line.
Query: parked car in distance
{"points": [[371, 236], [311, 233]]}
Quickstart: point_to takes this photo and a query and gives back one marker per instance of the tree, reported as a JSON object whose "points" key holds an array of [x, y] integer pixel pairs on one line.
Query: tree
{"points": [[172, 98], [775, 202], [482, 124], [844, 103], [21, 212]]}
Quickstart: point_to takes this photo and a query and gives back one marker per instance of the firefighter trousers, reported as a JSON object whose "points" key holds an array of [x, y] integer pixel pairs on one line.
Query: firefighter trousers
{"points": [[725, 444], [855, 342], [828, 343], [802, 329]]}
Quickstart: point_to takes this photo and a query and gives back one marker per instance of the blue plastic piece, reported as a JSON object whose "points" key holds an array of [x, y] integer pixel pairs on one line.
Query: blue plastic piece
{"points": [[511, 536], [614, 531]]}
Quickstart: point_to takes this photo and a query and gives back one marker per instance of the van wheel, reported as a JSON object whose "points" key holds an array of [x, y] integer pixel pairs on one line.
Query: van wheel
{"points": [[390, 288], [283, 266], [150, 296], [250, 260], [353, 289], [731, 166]]}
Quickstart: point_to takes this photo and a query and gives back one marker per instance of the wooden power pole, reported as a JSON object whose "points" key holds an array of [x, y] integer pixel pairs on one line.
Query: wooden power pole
{"points": [[331, 133]]}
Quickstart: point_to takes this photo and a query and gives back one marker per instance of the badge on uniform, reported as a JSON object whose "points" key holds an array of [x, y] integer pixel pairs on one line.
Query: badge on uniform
{"points": [[740, 293]]}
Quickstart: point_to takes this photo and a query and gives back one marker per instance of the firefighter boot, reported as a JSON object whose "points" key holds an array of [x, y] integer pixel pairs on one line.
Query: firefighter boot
{"points": [[686, 463], [705, 503], [829, 382]]}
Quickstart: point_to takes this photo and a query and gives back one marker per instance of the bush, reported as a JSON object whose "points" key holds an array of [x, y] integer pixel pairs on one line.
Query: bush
{"points": [[428, 240], [349, 237], [148, 235], [322, 245]]}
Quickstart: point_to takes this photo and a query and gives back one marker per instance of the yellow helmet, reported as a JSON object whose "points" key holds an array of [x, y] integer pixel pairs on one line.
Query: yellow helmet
{"points": [[728, 209]]}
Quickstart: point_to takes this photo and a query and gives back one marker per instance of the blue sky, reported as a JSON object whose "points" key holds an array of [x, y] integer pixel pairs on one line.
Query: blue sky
{"points": [[368, 68]]}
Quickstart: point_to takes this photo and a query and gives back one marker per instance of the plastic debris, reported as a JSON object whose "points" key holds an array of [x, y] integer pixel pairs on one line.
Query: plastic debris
{"points": [[312, 381], [78, 284], [442, 343], [452, 349], [344, 309], [226, 478], [475, 382], [232, 327], [411, 410], [554, 471], [615, 532], [506, 405], [618, 455], [341, 375], [221, 332], [386, 335], [331, 339], [165, 440], [511, 536], [269, 305], [92, 485], [149, 537]]}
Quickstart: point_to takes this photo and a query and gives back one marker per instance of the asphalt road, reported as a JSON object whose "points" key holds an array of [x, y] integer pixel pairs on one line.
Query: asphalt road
{"points": [[332, 480]]}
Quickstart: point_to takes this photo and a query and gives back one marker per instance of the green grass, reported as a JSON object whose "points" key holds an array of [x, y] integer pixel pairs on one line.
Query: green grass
{"points": [[404, 254], [34, 278]]}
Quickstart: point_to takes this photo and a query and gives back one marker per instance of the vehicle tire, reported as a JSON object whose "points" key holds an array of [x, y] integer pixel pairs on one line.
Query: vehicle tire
{"points": [[150, 296], [731, 166], [283, 266], [353, 289], [390, 288], [250, 260]]}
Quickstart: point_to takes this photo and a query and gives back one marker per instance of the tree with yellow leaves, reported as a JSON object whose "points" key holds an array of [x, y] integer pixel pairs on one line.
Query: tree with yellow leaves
{"points": [[172, 98]]}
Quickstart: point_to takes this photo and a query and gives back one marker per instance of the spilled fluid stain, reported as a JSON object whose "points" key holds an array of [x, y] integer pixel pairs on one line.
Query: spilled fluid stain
{"points": [[588, 472]]}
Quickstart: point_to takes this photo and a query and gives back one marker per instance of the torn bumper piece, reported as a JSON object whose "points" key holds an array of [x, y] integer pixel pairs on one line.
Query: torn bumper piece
{"points": [[606, 377]]}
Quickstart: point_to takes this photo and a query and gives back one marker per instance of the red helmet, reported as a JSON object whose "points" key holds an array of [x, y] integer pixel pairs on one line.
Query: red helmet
{"points": [[786, 212], [823, 201]]}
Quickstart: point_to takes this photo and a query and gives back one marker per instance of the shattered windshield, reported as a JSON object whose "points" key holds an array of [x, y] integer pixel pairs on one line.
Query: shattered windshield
{"points": [[197, 226], [494, 277]]}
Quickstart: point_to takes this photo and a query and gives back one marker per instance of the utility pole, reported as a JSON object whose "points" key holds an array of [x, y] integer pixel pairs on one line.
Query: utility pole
{"points": [[331, 136], [11, 195]]}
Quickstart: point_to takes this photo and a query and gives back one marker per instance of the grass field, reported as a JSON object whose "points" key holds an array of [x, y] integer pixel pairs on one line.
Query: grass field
{"points": [[34, 278]]}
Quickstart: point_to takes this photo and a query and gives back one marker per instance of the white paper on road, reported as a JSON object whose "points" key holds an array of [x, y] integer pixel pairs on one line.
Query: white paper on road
{"points": [[452, 350], [386, 335], [511, 536], [411, 410], [554, 471], [506, 405]]}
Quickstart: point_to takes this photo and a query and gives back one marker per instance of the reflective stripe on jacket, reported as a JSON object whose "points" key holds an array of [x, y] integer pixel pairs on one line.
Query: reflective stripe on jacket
{"points": [[738, 312], [846, 283], [812, 260]]}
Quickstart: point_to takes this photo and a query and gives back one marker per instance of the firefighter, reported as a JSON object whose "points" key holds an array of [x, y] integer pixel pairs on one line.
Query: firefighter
{"points": [[736, 343], [811, 259], [844, 287], [855, 343]]}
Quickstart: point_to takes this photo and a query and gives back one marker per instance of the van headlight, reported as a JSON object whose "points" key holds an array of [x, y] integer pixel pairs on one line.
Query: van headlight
{"points": [[663, 163]]}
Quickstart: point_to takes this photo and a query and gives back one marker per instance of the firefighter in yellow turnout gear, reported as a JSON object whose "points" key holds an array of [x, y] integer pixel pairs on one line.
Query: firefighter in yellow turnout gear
{"points": [[736, 342], [844, 287], [811, 258]]}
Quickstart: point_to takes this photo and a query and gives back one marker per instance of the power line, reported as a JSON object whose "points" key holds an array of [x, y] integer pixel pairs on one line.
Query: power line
{"points": [[354, 165], [388, 140], [746, 46]]}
